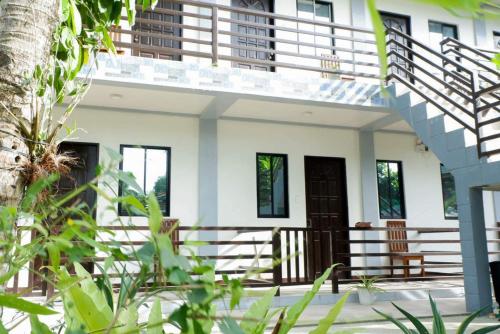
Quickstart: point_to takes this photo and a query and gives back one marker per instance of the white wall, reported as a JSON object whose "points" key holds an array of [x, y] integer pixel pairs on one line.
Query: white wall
{"points": [[240, 141], [112, 128]]}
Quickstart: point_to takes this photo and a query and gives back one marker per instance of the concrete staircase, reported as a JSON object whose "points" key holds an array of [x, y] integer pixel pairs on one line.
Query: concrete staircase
{"points": [[455, 146]]}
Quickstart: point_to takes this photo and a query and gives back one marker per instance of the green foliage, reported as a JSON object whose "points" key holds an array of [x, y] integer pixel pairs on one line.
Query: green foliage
{"points": [[368, 283], [293, 314], [23, 305], [438, 326], [327, 322], [257, 315], [155, 323]]}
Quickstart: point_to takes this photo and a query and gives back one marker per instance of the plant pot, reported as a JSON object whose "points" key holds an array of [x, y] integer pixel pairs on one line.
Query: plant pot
{"points": [[366, 297]]}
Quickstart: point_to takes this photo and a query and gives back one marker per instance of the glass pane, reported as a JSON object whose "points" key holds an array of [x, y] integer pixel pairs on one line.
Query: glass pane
{"points": [[264, 180], [449, 194], [323, 10], [133, 162], [390, 191], [395, 194], [383, 189], [435, 27], [449, 31], [279, 186], [305, 8], [156, 175]]}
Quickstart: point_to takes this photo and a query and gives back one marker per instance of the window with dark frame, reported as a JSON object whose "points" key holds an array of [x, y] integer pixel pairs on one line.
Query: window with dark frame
{"points": [[150, 165], [449, 194], [321, 11], [496, 40], [272, 185], [439, 31], [390, 189]]}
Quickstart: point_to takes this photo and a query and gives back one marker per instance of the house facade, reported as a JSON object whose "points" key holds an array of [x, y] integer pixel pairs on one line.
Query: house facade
{"points": [[269, 113]]}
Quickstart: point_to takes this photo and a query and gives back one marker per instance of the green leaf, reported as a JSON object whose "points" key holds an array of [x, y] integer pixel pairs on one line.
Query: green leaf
{"points": [[417, 323], [3, 330], [485, 330], [466, 322], [85, 305], [127, 320], [38, 327], [146, 253], [130, 8], [258, 310], [11, 301], [35, 189], [64, 10], [437, 320], [155, 215], [296, 310], [396, 322], [155, 319], [76, 19], [327, 322], [146, 4], [379, 29], [229, 326], [54, 255], [236, 293]]}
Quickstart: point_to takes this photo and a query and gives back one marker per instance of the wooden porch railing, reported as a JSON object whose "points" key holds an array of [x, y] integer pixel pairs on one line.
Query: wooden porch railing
{"points": [[296, 256]]}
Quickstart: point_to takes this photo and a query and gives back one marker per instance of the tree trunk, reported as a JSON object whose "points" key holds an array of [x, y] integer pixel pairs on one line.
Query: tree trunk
{"points": [[26, 29]]}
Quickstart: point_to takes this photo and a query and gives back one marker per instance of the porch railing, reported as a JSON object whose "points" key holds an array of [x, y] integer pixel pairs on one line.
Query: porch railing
{"points": [[291, 256]]}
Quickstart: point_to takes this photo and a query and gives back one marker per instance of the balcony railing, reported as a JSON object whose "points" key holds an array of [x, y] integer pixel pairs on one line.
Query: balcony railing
{"points": [[238, 37], [458, 80]]}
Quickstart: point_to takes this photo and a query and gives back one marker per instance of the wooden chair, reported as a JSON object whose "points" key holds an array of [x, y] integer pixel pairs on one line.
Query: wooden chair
{"points": [[400, 248]]}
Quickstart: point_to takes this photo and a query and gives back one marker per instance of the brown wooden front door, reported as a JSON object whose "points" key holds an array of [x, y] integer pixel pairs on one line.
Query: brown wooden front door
{"points": [[326, 205], [156, 30], [87, 155], [248, 35]]}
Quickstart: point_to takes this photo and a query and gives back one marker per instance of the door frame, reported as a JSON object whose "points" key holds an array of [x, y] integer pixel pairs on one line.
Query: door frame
{"points": [[272, 44], [345, 208], [137, 45], [344, 185], [408, 32]]}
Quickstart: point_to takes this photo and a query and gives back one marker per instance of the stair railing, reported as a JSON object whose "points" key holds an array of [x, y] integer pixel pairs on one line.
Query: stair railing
{"points": [[458, 80], [487, 95]]}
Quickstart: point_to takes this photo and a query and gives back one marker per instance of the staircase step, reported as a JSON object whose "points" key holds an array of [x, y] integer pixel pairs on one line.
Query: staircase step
{"points": [[455, 140], [436, 125], [419, 112]]}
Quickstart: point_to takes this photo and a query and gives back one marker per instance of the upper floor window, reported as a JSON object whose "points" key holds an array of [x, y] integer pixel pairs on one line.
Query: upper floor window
{"points": [[390, 190], [150, 165], [272, 185], [320, 11], [439, 31], [314, 9], [496, 39], [449, 194]]}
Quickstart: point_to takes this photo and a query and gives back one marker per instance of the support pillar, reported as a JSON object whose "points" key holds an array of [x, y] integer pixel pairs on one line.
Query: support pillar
{"points": [[370, 196], [474, 247], [208, 179]]}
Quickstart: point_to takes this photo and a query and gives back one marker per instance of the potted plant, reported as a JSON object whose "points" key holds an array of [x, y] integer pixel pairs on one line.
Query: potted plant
{"points": [[367, 291]]}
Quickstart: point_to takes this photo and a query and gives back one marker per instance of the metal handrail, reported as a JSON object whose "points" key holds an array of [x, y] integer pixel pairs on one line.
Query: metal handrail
{"points": [[466, 82]]}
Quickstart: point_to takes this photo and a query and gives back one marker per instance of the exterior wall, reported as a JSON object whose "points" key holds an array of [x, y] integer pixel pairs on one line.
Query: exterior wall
{"points": [[114, 128], [238, 144]]}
